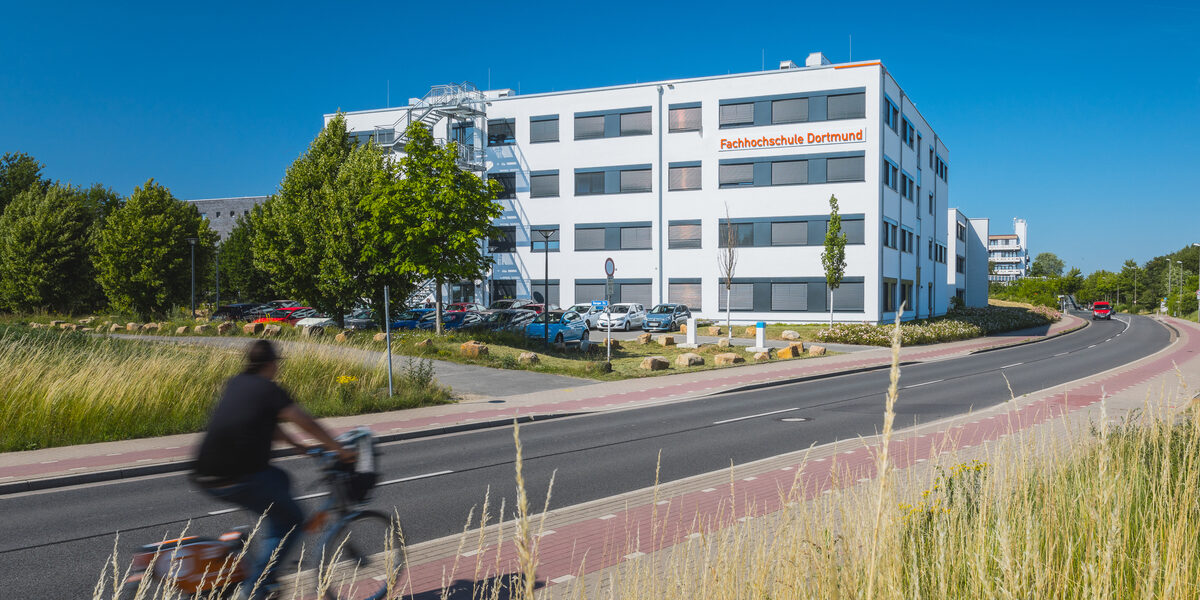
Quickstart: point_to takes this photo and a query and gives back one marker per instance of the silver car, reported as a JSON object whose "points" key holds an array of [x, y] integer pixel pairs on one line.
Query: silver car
{"points": [[623, 316], [591, 316]]}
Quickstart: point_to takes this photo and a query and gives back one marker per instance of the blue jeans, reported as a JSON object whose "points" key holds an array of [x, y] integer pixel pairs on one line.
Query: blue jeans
{"points": [[267, 489]]}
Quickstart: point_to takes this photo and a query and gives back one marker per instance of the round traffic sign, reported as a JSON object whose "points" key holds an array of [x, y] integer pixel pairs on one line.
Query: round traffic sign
{"points": [[609, 267]]}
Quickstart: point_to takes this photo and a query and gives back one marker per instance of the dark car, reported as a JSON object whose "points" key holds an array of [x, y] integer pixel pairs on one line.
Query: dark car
{"points": [[362, 318], [666, 317], [451, 320], [234, 312], [1102, 310], [508, 319], [410, 318], [508, 303]]}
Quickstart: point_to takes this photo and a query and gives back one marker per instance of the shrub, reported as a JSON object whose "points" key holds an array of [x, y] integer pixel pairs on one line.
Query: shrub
{"points": [[961, 324]]}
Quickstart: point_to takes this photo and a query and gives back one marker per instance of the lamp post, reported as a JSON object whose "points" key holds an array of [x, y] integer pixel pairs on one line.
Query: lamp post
{"points": [[546, 233], [218, 305], [192, 243], [1198, 273], [1180, 291]]}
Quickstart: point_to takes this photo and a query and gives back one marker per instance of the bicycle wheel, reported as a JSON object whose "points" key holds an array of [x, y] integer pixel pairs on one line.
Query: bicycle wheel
{"points": [[361, 553]]}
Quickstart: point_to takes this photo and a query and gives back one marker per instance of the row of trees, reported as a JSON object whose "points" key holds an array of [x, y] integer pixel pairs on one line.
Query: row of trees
{"points": [[346, 221]]}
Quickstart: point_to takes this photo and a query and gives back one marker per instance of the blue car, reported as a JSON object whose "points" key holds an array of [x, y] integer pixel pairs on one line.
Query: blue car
{"points": [[410, 318], [666, 317], [566, 326], [450, 320]]}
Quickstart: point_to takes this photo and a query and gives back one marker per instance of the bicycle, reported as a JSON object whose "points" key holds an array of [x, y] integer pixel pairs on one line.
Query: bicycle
{"points": [[354, 541]]}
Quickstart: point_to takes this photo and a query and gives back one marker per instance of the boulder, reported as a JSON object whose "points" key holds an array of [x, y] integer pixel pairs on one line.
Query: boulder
{"points": [[344, 336], [528, 358], [131, 327], [86, 329], [202, 329], [598, 366], [654, 363], [815, 350], [613, 343], [473, 349], [36, 325], [714, 330], [56, 323], [150, 327], [683, 329], [87, 320], [728, 358], [252, 328], [428, 343], [181, 330], [762, 356], [689, 359], [794, 350], [312, 331], [789, 334], [225, 328], [666, 340], [69, 326], [751, 330], [380, 337], [272, 330], [643, 339], [723, 343], [115, 327]]}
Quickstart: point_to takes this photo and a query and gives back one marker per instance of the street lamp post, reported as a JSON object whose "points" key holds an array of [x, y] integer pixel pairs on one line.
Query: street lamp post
{"points": [[192, 243], [546, 233], [1180, 263], [218, 305]]}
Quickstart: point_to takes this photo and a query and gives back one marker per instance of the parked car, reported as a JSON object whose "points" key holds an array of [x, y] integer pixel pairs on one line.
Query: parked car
{"points": [[590, 315], [234, 312], [316, 322], [451, 320], [666, 317], [290, 315], [474, 306], [282, 303], [1102, 310], [361, 318], [410, 318], [508, 303], [539, 308], [625, 316], [565, 326], [509, 319]]}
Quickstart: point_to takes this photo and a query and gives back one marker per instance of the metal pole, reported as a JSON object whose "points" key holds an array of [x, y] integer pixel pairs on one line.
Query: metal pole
{"points": [[387, 328], [546, 233], [192, 243], [218, 280]]}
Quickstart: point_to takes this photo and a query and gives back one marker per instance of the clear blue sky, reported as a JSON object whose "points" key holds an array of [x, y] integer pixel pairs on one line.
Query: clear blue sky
{"points": [[1085, 121]]}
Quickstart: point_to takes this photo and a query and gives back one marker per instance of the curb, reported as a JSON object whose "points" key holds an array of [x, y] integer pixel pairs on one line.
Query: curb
{"points": [[1027, 342], [47, 483]]}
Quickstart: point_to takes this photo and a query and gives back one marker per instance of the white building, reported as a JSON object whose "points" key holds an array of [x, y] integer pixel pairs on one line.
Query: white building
{"points": [[1010, 253], [646, 173], [968, 280]]}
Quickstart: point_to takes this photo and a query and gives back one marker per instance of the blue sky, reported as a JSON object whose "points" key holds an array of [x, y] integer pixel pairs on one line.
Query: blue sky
{"points": [[1083, 120]]}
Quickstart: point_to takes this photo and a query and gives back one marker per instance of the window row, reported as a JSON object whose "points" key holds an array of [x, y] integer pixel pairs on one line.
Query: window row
{"points": [[769, 172], [784, 232], [798, 109], [545, 238], [615, 123], [938, 252], [771, 295], [896, 294], [940, 168]]}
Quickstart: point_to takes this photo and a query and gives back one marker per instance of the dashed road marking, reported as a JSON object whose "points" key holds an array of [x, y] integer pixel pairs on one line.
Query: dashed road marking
{"points": [[415, 477], [924, 383], [1012, 365], [633, 555], [224, 511], [774, 412], [606, 517], [563, 579], [708, 490]]}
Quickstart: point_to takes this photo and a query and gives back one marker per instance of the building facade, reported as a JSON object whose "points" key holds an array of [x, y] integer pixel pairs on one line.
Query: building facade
{"points": [[222, 213], [968, 279], [660, 176], [1009, 253]]}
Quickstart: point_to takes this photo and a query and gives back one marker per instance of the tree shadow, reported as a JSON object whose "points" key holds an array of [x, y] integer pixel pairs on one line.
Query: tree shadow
{"points": [[500, 587], [1039, 330]]}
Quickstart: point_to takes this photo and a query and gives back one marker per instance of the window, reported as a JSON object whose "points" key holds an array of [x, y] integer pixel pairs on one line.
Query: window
{"points": [[890, 235], [847, 106], [789, 172], [635, 292], [637, 123], [736, 175], [683, 235], [635, 238], [906, 186], [587, 128], [962, 232], [960, 264], [907, 132], [931, 158], [589, 238], [889, 296], [847, 168], [218, 214], [543, 185], [684, 119], [733, 115], [890, 174], [683, 178], [855, 230], [906, 295], [539, 289], [891, 115], [501, 132], [793, 233], [918, 151], [589, 183], [743, 232], [792, 110], [848, 296], [543, 129], [789, 296], [931, 203], [539, 243], [503, 288], [508, 184], [638, 180], [740, 296], [685, 293], [203, 215], [505, 242], [586, 292]]}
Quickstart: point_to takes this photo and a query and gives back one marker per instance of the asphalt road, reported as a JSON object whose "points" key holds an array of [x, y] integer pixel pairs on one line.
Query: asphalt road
{"points": [[54, 544]]}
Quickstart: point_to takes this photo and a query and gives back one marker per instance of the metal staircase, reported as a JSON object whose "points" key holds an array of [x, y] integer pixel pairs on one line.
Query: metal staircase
{"points": [[455, 102], [424, 290]]}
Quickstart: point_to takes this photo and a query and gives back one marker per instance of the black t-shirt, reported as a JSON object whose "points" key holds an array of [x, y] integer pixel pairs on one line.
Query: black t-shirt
{"points": [[242, 427]]}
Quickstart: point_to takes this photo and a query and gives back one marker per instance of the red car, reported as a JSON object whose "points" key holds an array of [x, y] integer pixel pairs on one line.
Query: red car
{"points": [[1102, 310], [538, 308], [287, 314], [461, 306]]}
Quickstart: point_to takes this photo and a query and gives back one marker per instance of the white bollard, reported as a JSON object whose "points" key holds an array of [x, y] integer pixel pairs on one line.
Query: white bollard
{"points": [[691, 332]]}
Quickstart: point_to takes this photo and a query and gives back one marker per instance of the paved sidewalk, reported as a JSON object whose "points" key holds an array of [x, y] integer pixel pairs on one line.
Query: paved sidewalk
{"points": [[51, 467]]}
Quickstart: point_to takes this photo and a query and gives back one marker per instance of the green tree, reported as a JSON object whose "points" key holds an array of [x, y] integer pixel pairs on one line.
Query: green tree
{"points": [[307, 237], [142, 254], [1046, 264], [833, 259], [1071, 282], [45, 246], [19, 172], [239, 275], [434, 219]]}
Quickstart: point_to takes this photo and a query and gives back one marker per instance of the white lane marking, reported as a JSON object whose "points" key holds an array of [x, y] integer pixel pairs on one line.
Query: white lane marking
{"points": [[633, 555], [708, 490], [1012, 365], [563, 579], [606, 517], [49, 462], [546, 533], [415, 477], [750, 479], [1092, 346], [924, 383], [745, 519], [1062, 354], [662, 502], [774, 412], [311, 496], [221, 512], [469, 554], [379, 577]]}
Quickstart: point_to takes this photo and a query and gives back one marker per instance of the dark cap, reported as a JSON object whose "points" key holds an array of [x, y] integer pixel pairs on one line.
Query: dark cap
{"points": [[259, 354]]}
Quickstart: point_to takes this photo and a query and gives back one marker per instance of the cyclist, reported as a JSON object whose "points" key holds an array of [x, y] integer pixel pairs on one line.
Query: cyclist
{"points": [[232, 463]]}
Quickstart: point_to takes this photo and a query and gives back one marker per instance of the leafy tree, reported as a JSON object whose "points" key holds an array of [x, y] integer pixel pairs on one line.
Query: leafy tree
{"points": [[45, 261], [239, 275], [307, 238], [433, 220], [727, 262], [19, 172], [142, 254], [1072, 281], [833, 259], [1046, 264]]}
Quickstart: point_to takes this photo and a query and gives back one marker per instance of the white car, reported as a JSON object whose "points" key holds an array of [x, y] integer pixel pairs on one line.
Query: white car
{"points": [[623, 316], [590, 315], [316, 322]]}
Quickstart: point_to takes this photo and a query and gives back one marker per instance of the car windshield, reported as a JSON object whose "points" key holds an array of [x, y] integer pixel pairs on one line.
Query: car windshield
{"points": [[581, 308], [502, 304], [619, 309], [554, 317], [663, 308], [409, 315], [1101, 305], [362, 313]]}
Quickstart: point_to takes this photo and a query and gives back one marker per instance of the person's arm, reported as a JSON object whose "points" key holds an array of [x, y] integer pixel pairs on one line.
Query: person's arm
{"points": [[283, 436], [294, 414]]}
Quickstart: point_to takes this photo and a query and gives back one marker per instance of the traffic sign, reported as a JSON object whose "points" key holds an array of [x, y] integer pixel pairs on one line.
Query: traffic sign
{"points": [[599, 304], [609, 267]]}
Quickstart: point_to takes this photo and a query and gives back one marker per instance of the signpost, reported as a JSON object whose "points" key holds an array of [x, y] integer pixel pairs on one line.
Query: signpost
{"points": [[609, 268]]}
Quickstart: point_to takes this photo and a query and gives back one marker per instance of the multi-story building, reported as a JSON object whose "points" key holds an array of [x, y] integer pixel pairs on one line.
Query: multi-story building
{"points": [[222, 213], [968, 280], [657, 176], [1009, 253]]}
